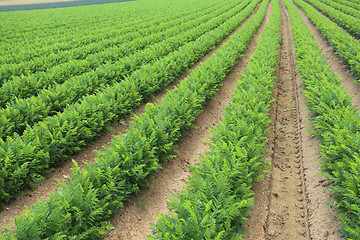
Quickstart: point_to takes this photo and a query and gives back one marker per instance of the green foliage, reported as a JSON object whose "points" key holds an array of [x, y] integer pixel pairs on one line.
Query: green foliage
{"points": [[49, 102], [336, 123], [345, 45], [102, 62], [53, 140], [343, 8], [218, 197], [350, 23], [81, 208], [355, 5]]}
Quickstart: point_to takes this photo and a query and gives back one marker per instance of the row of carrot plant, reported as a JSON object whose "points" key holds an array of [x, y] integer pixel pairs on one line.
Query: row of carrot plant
{"points": [[130, 51], [219, 197], [82, 207], [345, 9], [347, 47], [105, 26], [354, 5], [65, 22], [93, 55], [50, 142], [336, 123], [350, 23], [27, 112]]}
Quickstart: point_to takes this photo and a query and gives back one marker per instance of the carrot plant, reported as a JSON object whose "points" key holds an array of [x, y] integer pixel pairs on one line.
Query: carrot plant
{"points": [[218, 197]]}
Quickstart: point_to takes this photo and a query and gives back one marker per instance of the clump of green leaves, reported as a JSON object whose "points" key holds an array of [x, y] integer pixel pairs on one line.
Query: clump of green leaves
{"points": [[218, 197]]}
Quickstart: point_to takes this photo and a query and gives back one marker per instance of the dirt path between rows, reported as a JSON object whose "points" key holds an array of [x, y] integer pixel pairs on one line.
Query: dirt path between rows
{"points": [[88, 155], [134, 222], [292, 202]]}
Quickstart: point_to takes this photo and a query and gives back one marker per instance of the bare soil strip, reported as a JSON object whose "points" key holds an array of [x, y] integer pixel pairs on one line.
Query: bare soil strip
{"points": [[296, 207], [134, 221], [20, 2], [87, 155], [349, 82], [287, 217], [324, 222]]}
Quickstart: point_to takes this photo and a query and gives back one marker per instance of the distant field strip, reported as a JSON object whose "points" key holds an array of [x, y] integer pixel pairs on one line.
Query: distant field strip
{"points": [[57, 5]]}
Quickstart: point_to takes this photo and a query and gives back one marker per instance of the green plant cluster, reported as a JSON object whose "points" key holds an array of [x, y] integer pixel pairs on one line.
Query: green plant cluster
{"points": [[102, 69], [354, 5], [25, 112], [218, 197], [350, 23], [18, 43], [56, 29], [345, 9], [345, 45], [336, 123], [82, 207], [60, 67], [26, 158]]}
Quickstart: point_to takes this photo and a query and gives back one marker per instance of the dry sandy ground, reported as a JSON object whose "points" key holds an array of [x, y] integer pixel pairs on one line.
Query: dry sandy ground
{"points": [[18, 2]]}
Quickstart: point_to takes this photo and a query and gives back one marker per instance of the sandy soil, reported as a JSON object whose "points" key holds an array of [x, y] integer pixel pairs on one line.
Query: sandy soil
{"points": [[19, 2], [292, 202]]}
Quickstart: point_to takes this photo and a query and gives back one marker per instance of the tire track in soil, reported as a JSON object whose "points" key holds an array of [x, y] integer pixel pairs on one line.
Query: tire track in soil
{"points": [[30, 196], [134, 221], [324, 222], [287, 217], [292, 203]]}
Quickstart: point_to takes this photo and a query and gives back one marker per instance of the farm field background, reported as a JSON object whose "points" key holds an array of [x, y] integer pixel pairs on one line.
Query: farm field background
{"points": [[181, 120]]}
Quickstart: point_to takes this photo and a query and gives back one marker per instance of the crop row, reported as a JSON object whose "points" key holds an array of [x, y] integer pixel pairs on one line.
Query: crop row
{"points": [[59, 44], [24, 159], [82, 208], [61, 19], [345, 45], [354, 5], [345, 9], [52, 44], [21, 87], [27, 112], [350, 23], [95, 54], [336, 123], [353, 1], [58, 22], [219, 196]]}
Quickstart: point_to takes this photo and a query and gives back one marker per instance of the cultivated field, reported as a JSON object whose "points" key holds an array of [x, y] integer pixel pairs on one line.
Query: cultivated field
{"points": [[184, 119]]}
